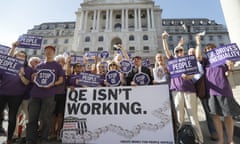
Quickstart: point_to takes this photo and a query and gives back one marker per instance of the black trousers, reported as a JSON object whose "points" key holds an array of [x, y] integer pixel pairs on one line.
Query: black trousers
{"points": [[13, 103]]}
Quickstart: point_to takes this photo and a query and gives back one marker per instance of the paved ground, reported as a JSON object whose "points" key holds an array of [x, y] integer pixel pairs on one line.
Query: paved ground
{"points": [[207, 139], [201, 114]]}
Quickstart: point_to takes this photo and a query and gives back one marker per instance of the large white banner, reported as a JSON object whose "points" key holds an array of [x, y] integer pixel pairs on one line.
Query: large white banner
{"points": [[118, 115]]}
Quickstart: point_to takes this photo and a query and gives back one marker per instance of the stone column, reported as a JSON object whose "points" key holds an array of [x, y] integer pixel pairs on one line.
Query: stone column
{"points": [[123, 17], [231, 11], [107, 18], [152, 16], [98, 19], [135, 19], [86, 20], [94, 20], [148, 19], [139, 19], [81, 20], [126, 19], [110, 25]]}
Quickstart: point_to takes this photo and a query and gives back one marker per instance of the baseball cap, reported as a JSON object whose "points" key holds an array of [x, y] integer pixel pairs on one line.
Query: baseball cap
{"points": [[49, 46], [137, 57], [178, 48]]}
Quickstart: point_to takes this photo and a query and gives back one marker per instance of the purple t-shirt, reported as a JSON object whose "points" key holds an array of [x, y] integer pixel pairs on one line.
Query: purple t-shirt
{"points": [[40, 92], [216, 81], [12, 85], [179, 84], [61, 89]]}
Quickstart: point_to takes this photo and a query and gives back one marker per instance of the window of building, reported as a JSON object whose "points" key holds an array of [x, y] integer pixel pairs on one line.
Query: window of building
{"points": [[131, 38], [118, 16], [66, 41], [143, 14], [210, 38], [220, 37], [145, 37], [45, 41], [87, 39], [131, 49], [146, 48], [86, 49], [131, 16], [34, 52], [100, 38], [117, 26], [100, 49], [55, 41], [170, 38], [57, 33], [104, 17]]}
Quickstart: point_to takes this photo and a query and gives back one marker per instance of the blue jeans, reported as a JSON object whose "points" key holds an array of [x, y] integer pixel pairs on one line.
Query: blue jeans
{"points": [[45, 106], [211, 127]]}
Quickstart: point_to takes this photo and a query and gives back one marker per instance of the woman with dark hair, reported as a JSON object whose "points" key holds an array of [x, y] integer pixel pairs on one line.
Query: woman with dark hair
{"points": [[12, 89]]}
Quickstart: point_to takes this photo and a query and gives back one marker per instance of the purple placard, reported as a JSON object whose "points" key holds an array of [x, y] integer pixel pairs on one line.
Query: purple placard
{"points": [[146, 63], [30, 41], [44, 78], [92, 54], [113, 78], [141, 79], [89, 63], [218, 56], [88, 79], [104, 54], [77, 59], [186, 65], [4, 49], [125, 66], [10, 65]]}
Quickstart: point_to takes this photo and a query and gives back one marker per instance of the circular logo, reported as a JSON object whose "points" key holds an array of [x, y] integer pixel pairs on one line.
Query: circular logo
{"points": [[141, 79], [113, 78], [125, 66], [104, 54], [44, 78]]}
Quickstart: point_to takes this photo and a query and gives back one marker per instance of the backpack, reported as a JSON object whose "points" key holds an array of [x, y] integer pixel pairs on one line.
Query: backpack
{"points": [[187, 135]]}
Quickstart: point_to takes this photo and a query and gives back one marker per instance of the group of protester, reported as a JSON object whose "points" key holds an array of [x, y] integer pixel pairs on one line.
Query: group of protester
{"points": [[43, 106]]}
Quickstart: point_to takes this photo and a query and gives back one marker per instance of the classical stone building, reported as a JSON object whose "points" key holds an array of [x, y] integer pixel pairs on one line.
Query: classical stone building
{"points": [[134, 23], [137, 24]]}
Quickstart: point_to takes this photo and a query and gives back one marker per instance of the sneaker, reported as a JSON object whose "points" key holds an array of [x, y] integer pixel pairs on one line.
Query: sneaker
{"points": [[214, 137]]}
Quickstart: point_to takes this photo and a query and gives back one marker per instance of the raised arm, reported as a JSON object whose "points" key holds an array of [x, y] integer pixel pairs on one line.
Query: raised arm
{"points": [[124, 52], [12, 50], [165, 45], [198, 51]]}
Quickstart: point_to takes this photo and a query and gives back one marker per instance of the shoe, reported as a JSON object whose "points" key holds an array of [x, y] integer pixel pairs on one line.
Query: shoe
{"points": [[236, 118], [52, 137], [22, 140], [214, 137]]}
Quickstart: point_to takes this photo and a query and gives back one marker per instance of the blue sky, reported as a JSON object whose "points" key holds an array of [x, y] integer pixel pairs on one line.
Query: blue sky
{"points": [[17, 16]]}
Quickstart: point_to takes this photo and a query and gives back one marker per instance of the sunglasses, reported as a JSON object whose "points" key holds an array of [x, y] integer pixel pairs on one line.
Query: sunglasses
{"points": [[180, 50], [112, 65]]}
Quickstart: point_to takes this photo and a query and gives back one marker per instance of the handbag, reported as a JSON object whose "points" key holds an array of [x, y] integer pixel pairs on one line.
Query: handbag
{"points": [[200, 87]]}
